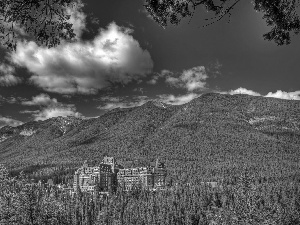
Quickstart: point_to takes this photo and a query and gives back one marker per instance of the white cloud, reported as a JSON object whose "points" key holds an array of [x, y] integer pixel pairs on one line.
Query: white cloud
{"points": [[156, 76], [78, 18], [6, 69], [178, 100], [114, 105], [49, 108], [139, 89], [285, 95], [85, 67], [50, 112], [6, 75], [9, 80], [113, 102], [11, 99], [29, 111], [5, 121], [279, 94], [191, 79], [41, 99], [165, 72], [242, 91], [194, 78], [153, 80]]}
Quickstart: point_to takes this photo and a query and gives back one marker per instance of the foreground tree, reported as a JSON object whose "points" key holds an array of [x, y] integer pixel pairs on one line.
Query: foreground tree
{"points": [[44, 21], [280, 15]]}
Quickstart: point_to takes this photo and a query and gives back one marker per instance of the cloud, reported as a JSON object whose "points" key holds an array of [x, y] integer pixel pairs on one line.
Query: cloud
{"points": [[11, 99], [285, 95], [165, 72], [41, 99], [29, 111], [153, 80], [56, 111], [6, 75], [178, 100], [109, 99], [243, 91], [49, 108], [114, 105], [279, 94], [113, 102], [156, 76], [5, 121], [78, 18], [139, 89], [9, 80], [6, 69], [191, 79], [114, 56]]}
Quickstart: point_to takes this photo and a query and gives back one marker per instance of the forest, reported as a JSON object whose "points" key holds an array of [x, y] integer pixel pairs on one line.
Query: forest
{"points": [[244, 199]]}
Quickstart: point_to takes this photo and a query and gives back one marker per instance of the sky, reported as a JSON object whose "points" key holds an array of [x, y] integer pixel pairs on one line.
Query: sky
{"points": [[122, 58]]}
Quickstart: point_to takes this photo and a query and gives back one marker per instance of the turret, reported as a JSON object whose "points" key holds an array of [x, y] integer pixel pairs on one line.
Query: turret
{"points": [[156, 164], [85, 164], [109, 161]]}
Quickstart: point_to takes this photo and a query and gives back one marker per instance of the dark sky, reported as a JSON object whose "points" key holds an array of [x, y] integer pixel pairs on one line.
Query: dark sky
{"points": [[122, 59]]}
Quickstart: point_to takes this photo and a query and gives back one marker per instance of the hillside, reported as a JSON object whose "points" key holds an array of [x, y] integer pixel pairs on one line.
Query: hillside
{"points": [[213, 134]]}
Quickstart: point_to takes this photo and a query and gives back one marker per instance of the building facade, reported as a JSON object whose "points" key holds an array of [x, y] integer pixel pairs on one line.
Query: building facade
{"points": [[102, 177], [159, 176], [109, 175], [151, 178]]}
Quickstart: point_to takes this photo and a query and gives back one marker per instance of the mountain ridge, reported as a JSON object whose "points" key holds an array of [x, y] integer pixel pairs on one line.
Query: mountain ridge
{"points": [[212, 132]]}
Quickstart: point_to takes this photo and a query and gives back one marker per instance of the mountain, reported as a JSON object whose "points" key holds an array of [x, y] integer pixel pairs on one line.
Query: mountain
{"points": [[213, 134]]}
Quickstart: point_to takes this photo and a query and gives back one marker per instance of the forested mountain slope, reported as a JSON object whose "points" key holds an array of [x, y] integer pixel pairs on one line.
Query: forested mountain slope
{"points": [[213, 134]]}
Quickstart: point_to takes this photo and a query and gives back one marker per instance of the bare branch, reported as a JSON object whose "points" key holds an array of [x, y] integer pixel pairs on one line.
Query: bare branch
{"points": [[226, 12]]}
